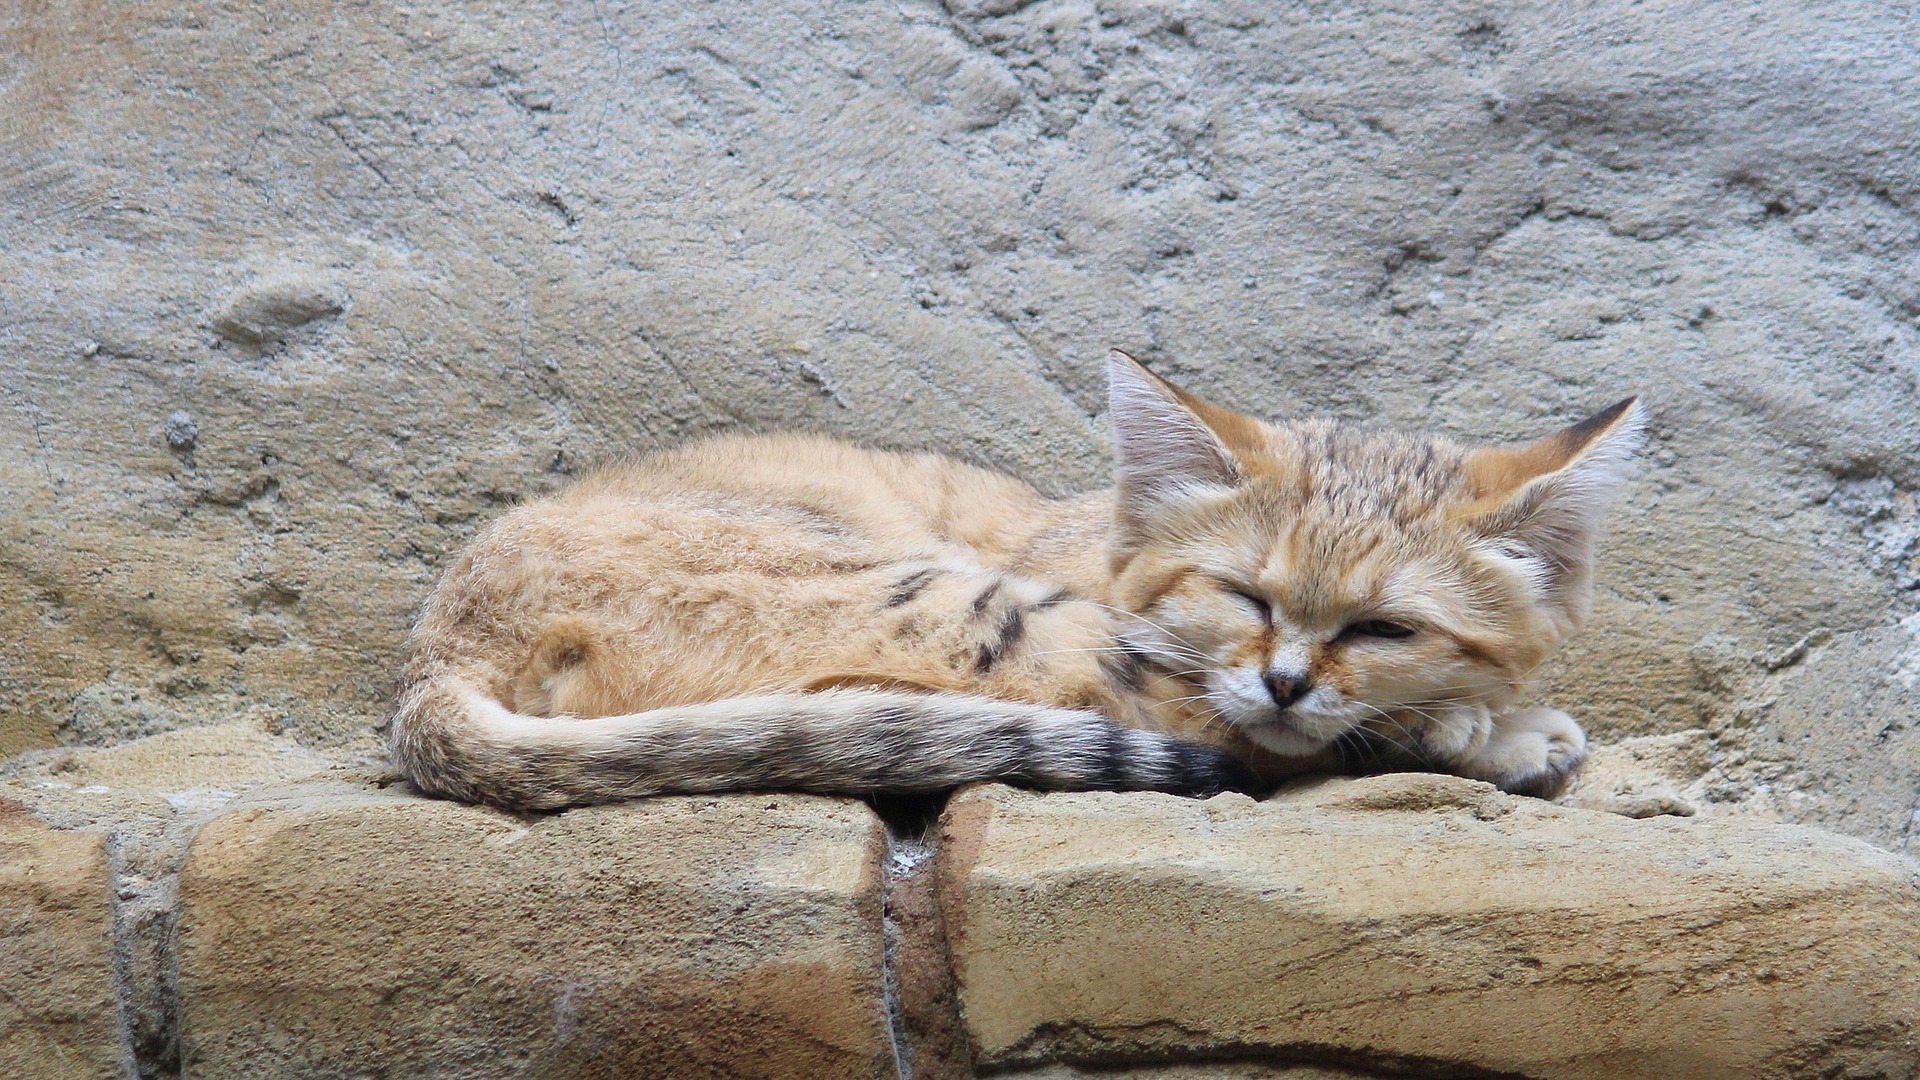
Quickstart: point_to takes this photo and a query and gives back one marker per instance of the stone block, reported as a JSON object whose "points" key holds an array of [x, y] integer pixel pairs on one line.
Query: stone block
{"points": [[59, 1017], [1427, 923], [1203, 1071], [343, 931]]}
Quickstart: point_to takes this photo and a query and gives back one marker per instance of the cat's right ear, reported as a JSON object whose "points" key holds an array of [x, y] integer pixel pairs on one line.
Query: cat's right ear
{"points": [[1162, 448]]}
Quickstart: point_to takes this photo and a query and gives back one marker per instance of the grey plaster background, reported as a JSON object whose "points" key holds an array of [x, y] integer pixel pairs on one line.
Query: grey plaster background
{"points": [[293, 296]]}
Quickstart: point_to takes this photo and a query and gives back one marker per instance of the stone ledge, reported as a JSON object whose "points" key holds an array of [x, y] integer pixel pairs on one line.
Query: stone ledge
{"points": [[343, 930], [59, 1017], [1392, 926], [1424, 923], [1187, 1070]]}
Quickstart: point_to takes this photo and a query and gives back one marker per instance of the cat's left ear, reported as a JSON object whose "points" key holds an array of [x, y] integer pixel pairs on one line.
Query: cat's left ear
{"points": [[1542, 502]]}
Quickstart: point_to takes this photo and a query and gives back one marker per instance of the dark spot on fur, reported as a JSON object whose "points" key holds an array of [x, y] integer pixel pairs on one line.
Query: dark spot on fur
{"points": [[1124, 667], [1116, 758], [1205, 770], [980, 602], [785, 756], [818, 520], [910, 586], [895, 739], [1013, 626], [1018, 752]]}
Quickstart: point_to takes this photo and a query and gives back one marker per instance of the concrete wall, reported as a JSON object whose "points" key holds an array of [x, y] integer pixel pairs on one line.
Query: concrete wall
{"points": [[295, 295]]}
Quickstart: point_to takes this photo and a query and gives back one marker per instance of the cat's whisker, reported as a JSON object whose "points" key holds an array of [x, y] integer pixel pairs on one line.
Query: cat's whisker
{"points": [[1179, 657], [1184, 700], [1173, 642], [1360, 744], [1185, 671], [1411, 747], [1482, 689], [1420, 711], [1354, 750], [1086, 649], [1132, 615], [1180, 653], [1210, 716]]}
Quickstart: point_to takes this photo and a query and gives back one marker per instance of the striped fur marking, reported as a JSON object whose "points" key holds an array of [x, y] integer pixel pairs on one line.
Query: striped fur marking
{"points": [[981, 602], [1012, 627], [911, 586]]}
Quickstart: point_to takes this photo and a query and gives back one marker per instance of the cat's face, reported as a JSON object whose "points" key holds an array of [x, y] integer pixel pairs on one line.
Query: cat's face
{"points": [[1304, 579]]}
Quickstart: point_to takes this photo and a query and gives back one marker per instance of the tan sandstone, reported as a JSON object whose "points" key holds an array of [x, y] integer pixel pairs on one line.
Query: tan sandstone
{"points": [[340, 930], [1425, 922], [1216, 1071], [59, 1019]]}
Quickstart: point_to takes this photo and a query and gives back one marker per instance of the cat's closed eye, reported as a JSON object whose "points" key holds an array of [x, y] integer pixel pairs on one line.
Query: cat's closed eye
{"points": [[1260, 605], [1378, 628]]}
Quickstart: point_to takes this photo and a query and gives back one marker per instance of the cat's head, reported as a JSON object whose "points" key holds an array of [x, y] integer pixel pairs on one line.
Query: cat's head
{"points": [[1307, 577]]}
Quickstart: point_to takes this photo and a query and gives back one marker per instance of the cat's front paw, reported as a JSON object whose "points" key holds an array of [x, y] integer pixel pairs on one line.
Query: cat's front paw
{"points": [[1529, 752]]}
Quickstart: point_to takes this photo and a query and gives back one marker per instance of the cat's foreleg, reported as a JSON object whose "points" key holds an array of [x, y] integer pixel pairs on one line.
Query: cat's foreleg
{"points": [[1530, 751]]}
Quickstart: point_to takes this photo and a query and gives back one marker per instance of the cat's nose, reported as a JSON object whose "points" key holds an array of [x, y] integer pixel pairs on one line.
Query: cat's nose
{"points": [[1286, 689]]}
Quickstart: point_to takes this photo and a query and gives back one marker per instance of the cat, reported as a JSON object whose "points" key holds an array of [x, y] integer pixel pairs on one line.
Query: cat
{"points": [[1251, 601]]}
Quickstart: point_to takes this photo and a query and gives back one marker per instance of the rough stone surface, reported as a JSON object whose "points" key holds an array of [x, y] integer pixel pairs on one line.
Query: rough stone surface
{"points": [[149, 794], [1191, 1073], [1646, 775], [59, 1017], [342, 930], [295, 295], [1425, 924]]}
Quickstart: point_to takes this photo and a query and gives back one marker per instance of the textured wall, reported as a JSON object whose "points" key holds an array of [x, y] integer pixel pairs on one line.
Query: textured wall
{"points": [[292, 296]]}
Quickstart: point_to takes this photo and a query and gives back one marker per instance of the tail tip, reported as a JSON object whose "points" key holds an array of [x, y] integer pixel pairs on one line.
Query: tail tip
{"points": [[1203, 771]]}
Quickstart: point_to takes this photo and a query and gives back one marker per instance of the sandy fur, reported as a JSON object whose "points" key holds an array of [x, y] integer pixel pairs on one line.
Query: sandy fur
{"points": [[792, 611]]}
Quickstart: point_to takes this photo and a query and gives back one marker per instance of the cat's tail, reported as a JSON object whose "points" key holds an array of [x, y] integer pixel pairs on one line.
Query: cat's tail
{"points": [[452, 740]]}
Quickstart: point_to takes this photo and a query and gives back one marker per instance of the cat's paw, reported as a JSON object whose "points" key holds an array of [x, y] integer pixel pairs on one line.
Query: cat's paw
{"points": [[1529, 752]]}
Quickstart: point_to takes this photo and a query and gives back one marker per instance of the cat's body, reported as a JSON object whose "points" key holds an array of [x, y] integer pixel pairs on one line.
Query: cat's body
{"points": [[791, 612]]}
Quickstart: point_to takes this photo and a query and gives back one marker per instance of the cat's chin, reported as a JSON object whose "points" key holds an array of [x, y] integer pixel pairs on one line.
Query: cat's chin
{"points": [[1277, 737]]}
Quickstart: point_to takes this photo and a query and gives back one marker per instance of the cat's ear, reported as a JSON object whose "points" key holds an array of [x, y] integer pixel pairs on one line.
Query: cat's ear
{"points": [[1162, 446], [1541, 503]]}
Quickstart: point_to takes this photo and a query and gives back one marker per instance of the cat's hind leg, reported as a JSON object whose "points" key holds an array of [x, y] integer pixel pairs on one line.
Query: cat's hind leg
{"points": [[962, 626]]}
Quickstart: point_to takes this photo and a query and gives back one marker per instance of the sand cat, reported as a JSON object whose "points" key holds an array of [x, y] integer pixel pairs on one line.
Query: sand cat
{"points": [[1251, 600]]}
